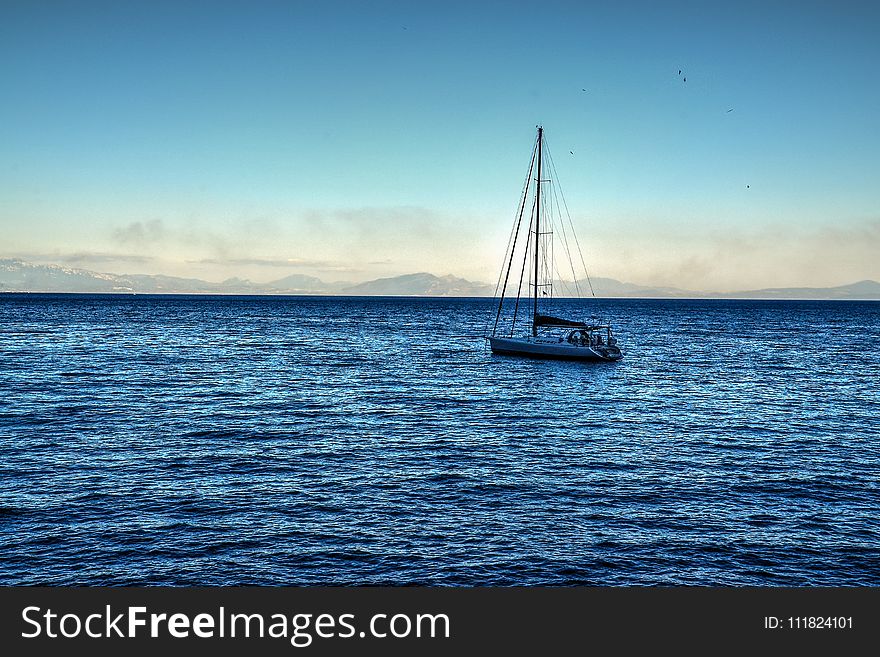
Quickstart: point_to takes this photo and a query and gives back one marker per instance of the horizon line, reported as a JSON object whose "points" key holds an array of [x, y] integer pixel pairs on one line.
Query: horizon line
{"points": [[721, 296]]}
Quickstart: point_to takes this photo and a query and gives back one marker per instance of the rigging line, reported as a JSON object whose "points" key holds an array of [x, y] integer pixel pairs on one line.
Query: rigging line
{"points": [[523, 270], [552, 256], [506, 277], [568, 251], [547, 255], [562, 225], [504, 260], [546, 239], [559, 226], [562, 283], [520, 204], [512, 249], [540, 150], [546, 244], [576, 241], [547, 258], [574, 235]]}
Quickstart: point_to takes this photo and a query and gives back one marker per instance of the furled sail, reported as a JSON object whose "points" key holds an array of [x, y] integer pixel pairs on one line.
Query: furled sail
{"points": [[548, 320]]}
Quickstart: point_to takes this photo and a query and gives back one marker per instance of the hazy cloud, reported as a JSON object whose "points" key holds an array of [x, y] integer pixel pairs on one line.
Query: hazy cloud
{"points": [[377, 225], [345, 240], [263, 262], [358, 243], [397, 239], [140, 232], [106, 257], [867, 234], [79, 258], [775, 256], [157, 234]]}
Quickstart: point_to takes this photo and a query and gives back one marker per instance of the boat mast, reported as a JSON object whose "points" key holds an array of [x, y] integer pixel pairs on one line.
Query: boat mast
{"points": [[537, 230]]}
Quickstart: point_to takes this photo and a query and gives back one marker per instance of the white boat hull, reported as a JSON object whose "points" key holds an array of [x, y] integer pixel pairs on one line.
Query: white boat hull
{"points": [[552, 348]]}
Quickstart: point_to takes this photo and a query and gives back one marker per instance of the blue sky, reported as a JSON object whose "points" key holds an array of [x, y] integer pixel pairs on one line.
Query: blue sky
{"points": [[356, 140]]}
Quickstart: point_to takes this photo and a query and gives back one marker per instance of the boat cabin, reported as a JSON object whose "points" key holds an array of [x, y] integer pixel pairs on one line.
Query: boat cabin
{"points": [[592, 336]]}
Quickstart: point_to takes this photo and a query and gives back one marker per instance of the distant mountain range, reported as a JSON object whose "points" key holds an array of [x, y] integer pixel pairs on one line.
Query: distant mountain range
{"points": [[860, 290], [20, 276]]}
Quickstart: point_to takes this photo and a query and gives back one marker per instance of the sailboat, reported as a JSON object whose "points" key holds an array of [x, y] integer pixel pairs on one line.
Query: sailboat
{"points": [[544, 335]]}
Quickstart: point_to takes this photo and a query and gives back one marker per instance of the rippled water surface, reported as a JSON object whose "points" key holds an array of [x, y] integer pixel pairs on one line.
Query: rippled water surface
{"points": [[228, 440]]}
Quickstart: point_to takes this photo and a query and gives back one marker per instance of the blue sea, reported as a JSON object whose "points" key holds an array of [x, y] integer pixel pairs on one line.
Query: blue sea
{"points": [[174, 440]]}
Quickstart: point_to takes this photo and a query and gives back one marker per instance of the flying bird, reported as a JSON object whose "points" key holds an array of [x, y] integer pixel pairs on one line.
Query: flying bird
{"points": [[747, 187], [685, 79], [679, 71], [730, 110], [572, 152]]}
